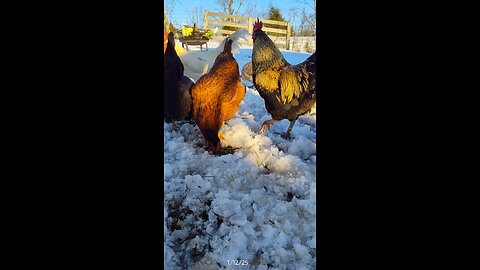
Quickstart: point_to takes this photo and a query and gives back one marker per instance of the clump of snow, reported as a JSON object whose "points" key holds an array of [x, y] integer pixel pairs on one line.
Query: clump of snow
{"points": [[255, 204], [167, 170], [302, 147]]}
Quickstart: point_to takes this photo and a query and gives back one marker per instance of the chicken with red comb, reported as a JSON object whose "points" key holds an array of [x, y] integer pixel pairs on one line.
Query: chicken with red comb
{"points": [[288, 90], [256, 26]]}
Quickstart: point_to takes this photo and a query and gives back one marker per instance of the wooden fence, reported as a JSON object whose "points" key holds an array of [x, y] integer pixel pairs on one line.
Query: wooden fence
{"points": [[247, 23]]}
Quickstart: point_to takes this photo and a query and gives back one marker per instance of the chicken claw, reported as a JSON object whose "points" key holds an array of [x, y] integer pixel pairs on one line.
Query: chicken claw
{"points": [[266, 125], [286, 135]]}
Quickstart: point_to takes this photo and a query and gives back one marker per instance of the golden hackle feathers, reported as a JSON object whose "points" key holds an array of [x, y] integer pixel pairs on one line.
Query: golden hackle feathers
{"points": [[293, 81], [268, 80]]}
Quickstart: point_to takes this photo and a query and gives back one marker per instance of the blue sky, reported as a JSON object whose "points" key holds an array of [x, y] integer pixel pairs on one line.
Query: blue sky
{"points": [[183, 9]]}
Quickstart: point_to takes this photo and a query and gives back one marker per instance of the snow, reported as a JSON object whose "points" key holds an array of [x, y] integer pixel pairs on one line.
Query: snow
{"points": [[256, 204]]}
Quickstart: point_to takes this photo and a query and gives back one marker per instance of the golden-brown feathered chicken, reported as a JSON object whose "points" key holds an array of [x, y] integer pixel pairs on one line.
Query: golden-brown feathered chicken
{"points": [[217, 96], [288, 90]]}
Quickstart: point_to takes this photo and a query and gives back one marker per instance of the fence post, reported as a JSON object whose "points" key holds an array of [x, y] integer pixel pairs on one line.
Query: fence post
{"points": [[289, 30], [205, 25]]}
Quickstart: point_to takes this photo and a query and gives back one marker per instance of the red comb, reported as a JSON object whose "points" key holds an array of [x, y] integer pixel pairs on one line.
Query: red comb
{"points": [[257, 25]]}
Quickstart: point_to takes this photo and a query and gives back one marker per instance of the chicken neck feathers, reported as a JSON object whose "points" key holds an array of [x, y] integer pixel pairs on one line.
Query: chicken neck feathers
{"points": [[266, 55]]}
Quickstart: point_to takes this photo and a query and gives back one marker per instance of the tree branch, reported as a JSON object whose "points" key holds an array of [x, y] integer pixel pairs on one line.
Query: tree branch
{"points": [[307, 3], [239, 6]]}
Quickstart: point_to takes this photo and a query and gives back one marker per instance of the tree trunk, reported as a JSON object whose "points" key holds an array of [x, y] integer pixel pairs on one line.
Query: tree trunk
{"points": [[230, 4]]}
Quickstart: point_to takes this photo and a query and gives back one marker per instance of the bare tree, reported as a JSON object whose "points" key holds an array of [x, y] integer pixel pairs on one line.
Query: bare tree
{"points": [[310, 21], [226, 6], [251, 9], [312, 4], [293, 14], [196, 17], [169, 7], [308, 24]]}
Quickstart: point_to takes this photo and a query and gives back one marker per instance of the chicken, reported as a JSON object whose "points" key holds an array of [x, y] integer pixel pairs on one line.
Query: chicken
{"points": [[288, 90], [217, 96], [177, 96], [197, 63]]}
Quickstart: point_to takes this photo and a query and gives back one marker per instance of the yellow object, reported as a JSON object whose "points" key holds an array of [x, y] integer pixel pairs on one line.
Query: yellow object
{"points": [[186, 31], [220, 135], [179, 50]]}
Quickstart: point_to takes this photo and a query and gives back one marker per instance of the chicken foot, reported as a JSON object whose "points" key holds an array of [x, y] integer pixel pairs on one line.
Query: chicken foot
{"points": [[210, 147], [286, 135], [265, 125]]}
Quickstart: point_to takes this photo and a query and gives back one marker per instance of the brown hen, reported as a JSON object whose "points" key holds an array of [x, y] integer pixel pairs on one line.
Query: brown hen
{"points": [[217, 96]]}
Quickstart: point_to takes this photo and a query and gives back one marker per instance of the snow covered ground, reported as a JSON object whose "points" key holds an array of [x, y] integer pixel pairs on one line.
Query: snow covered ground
{"points": [[257, 204]]}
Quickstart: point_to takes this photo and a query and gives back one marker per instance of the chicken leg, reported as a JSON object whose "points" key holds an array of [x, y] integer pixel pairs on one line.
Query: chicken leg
{"points": [[286, 135], [265, 125]]}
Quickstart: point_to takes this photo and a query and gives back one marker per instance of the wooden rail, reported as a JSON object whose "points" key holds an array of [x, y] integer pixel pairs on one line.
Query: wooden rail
{"points": [[247, 23]]}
